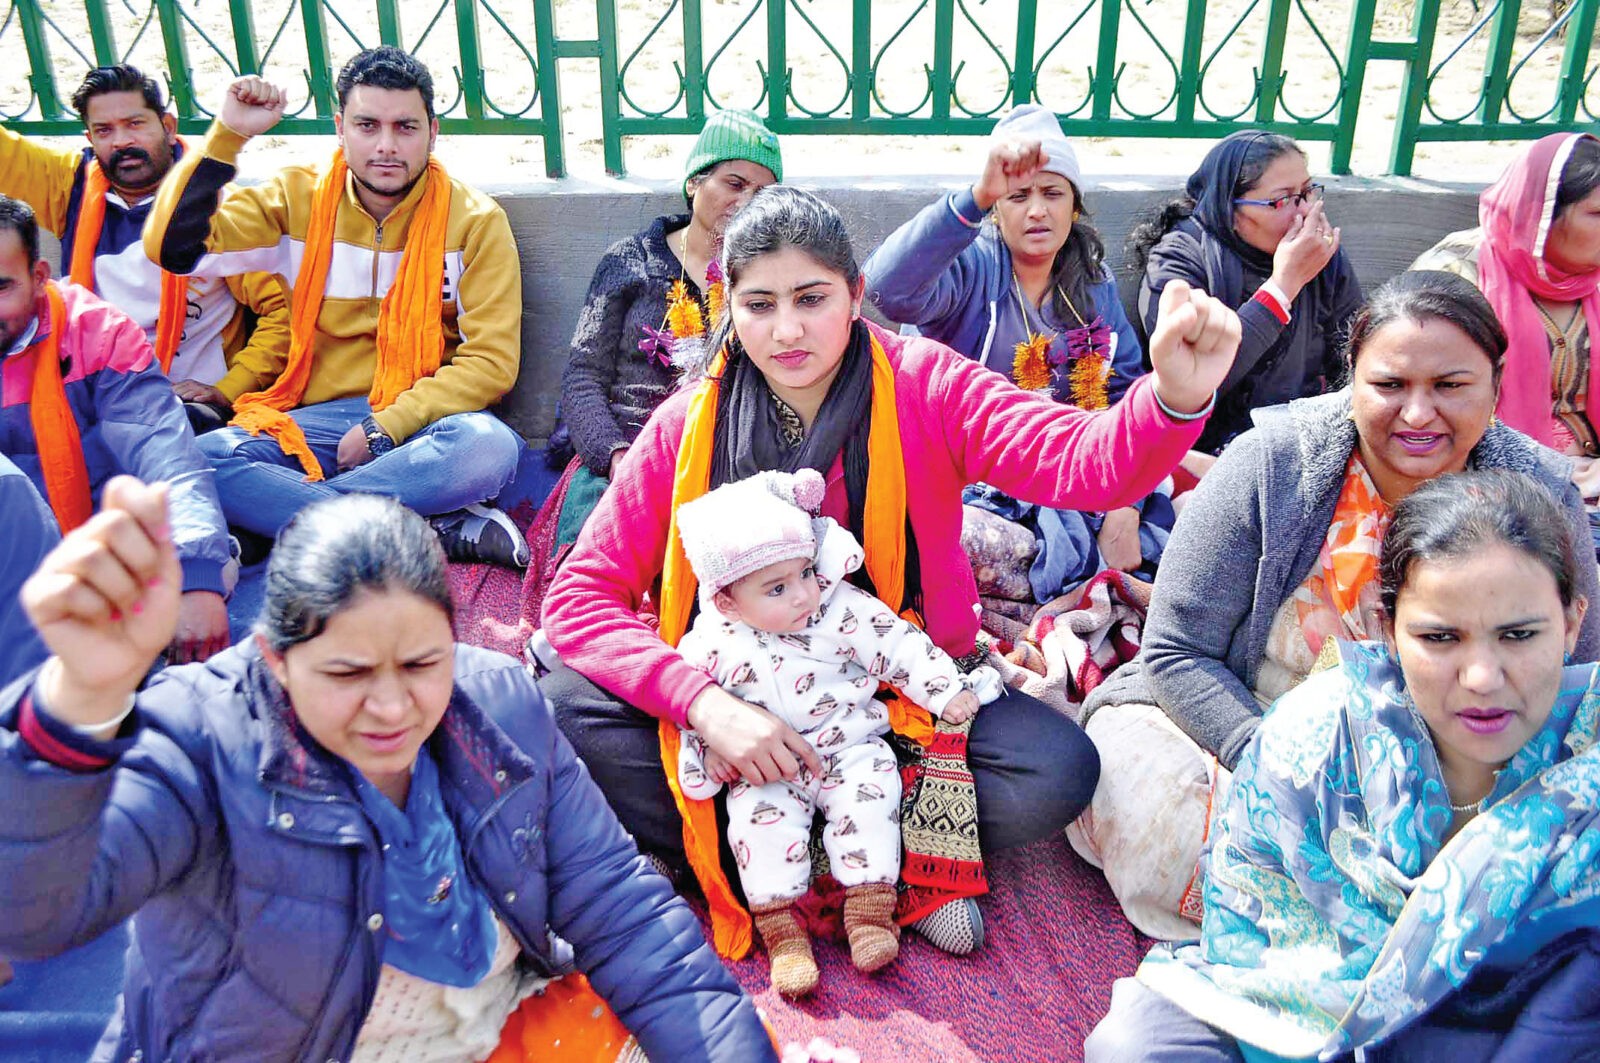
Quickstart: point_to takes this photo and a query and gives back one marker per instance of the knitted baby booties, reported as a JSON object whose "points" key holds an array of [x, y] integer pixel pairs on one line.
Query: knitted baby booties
{"points": [[869, 920], [794, 969]]}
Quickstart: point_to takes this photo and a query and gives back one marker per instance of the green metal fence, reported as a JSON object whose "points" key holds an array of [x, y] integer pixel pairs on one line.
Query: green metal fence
{"points": [[1469, 69]]}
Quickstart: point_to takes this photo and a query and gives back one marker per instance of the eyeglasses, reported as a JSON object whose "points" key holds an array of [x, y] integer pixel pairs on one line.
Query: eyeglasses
{"points": [[1309, 195]]}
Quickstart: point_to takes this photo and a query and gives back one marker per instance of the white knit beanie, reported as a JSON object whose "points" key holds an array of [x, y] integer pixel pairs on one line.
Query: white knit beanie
{"points": [[1033, 122], [743, 527]]}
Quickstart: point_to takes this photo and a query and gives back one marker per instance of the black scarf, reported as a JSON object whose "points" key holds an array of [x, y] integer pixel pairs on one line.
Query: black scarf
{"points": [[749, 439]]}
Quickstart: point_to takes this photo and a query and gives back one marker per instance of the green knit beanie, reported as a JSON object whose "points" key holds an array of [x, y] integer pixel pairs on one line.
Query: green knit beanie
{"points": [[733, 135]]}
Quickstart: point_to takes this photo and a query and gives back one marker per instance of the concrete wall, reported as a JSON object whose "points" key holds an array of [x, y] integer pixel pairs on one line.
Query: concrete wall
{"points": [[563, 231], [562, 228]]}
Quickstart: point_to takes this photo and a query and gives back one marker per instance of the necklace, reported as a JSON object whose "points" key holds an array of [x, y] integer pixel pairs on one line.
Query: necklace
{"points": [[1090, 373], [686, 317], [1469, 806]]}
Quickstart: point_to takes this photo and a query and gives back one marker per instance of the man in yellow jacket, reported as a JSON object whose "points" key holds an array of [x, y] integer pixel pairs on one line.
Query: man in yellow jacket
{"points": [[96, 201], [406, 294]]}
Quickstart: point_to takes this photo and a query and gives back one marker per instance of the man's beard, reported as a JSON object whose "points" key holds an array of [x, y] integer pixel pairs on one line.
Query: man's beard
{"points": [[156, 170], [401, 193]]}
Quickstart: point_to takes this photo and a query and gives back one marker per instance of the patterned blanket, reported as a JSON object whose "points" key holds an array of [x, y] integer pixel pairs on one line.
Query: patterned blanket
{"points": [[1336, 914]]}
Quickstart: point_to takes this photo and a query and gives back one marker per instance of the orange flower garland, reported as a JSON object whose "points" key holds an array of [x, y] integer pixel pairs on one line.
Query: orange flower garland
{"points": [[1029, 367], [1087, 379], [684, 316]]}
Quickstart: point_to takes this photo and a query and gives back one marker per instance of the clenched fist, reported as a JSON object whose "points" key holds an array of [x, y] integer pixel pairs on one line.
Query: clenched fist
{"points": [[252, 106]]}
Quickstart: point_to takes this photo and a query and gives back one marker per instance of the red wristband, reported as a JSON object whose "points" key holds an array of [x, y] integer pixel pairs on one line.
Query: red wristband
{"points": [[1270, 301]]}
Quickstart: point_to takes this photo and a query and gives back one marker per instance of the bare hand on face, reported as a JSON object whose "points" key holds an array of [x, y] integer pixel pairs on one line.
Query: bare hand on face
{"points": [[194, 391], [758, 746], [252, 106], [106, 602], [1192, 346], [1011, 164], [1305, 250]]}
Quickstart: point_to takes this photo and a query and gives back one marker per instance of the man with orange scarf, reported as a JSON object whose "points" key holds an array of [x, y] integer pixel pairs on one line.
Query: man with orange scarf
{"points": [[96, 201], [83, 400], [406, 312]]}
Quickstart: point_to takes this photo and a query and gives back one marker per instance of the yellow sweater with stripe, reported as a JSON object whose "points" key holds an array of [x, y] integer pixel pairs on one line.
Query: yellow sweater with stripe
{"points": [[263, 227], [218, 345]]}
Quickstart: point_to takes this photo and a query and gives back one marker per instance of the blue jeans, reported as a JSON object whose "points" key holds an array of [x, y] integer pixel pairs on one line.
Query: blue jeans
{"points": [[454, 462]]}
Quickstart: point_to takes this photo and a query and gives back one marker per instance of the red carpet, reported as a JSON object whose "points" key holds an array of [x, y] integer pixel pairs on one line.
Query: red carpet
{"points": [[1056, 941]]}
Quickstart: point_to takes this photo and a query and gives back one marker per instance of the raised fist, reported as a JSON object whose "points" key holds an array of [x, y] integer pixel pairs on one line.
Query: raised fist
{"points": [[252, 106]]}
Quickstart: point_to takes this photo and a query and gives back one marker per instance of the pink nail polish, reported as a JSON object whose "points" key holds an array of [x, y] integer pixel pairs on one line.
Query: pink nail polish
{"points": [[155, 581], [136, 608], [116, 614]]}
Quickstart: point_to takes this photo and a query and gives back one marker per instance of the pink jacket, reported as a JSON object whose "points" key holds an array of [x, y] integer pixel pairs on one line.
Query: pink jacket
{"points": [[959, 423]]}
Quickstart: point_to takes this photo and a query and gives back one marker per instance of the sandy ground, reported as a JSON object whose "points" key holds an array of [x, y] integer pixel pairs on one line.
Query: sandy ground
{"points": [[902, 33]]}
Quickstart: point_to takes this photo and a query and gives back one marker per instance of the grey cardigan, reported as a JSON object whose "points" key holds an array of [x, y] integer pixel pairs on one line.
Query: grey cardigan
{"points": [[1219, 587]]}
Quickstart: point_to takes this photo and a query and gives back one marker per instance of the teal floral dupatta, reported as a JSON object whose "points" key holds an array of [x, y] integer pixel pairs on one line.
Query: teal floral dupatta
{"points": [[1334, 914]]}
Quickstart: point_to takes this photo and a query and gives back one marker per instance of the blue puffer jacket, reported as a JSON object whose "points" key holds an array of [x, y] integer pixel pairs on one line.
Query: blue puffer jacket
{"points": [[30, 534], [948, 280], [259, 882]]}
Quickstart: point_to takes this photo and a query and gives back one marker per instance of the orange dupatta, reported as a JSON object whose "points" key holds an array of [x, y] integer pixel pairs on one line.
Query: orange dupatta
{"points": [[172, 311], [410, 338], [55, 429], [883, 532]]}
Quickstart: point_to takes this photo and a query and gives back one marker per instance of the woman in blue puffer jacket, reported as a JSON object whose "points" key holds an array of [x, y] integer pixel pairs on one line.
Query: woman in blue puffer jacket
{"points": [[345, 838]]}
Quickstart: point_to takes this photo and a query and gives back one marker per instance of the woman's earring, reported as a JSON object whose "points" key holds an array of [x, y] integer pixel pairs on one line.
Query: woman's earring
{"points": [[1567, 657]]}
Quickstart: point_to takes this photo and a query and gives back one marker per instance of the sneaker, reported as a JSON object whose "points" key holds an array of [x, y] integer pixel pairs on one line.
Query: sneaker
{"points": [[955, 927], [481, 535], [253, 548]]}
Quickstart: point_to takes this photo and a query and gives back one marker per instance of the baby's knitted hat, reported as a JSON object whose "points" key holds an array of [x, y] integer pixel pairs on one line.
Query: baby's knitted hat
{"points": [[743, 527]]}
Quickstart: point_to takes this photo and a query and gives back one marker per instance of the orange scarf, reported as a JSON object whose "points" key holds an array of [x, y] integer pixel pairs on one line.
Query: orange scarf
{"points": [[884, 526], [410, 338], [173, 310], [1352, 549], [55, 429]]}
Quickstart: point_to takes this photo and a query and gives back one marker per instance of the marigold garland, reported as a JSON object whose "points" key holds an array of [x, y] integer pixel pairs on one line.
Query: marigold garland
{"points": [[716, 293], [684, 315], [1088, 378], [1029, 367]]}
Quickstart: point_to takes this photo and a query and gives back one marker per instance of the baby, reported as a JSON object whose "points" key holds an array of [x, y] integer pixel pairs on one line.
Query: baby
{"points": [[780, 627]]}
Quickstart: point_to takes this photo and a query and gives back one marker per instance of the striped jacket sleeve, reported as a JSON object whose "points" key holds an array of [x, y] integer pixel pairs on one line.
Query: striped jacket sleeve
{"points": [[192, 230]]}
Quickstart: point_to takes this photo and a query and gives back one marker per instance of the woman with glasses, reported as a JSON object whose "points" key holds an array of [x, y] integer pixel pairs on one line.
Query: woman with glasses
{"points": [[1251, 230]]}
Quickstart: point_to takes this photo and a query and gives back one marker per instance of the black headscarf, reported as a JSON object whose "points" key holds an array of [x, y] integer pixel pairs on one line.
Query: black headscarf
{"points": [[1226, 258], [749, 439], [1212, 189]]}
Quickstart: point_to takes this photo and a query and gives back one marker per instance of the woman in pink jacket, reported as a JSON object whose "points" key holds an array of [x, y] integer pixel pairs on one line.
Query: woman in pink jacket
{"points": [[897, 426]]}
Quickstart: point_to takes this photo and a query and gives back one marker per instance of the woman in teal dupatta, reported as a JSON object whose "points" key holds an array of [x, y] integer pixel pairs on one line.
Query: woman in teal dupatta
{"points": [[1408, 864]]}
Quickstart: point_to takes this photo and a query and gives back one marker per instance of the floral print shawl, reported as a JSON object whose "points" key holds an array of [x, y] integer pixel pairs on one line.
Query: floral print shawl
{"points": [[1334, 913]]}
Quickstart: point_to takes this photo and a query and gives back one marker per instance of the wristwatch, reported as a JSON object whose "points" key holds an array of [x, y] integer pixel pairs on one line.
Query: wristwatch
{"points": [[378, 440]]}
